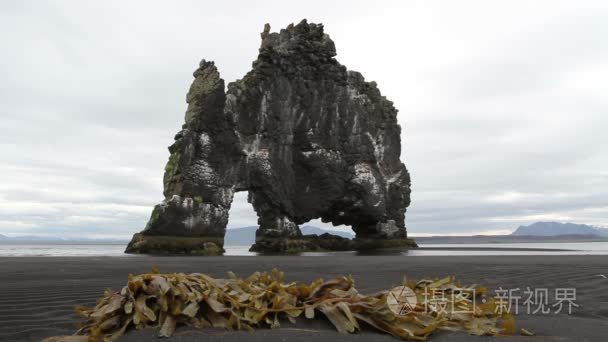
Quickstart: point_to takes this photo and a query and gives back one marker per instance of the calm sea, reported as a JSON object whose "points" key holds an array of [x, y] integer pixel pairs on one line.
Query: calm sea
{"points": [[565, 248]]}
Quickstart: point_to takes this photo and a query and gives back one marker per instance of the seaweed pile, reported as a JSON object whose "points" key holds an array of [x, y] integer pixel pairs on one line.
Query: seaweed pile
{"points": [[264, 300]]}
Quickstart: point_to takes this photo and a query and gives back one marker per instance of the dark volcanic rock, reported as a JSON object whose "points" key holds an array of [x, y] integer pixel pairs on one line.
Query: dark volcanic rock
{"points": [[305, 137]]}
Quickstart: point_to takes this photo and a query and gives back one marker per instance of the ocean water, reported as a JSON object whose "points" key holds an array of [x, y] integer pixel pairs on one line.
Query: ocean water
{"points": [[565, 248]]}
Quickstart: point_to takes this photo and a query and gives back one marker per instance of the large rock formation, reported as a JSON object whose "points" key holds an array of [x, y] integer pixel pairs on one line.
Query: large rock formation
{"points": [[304, 136]]}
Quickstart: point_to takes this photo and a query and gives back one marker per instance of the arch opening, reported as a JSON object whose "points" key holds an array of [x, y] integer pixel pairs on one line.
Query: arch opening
{"points": [[242, 222]]}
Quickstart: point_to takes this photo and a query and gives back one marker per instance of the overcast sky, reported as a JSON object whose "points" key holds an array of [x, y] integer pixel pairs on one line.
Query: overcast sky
{"points": [[503, 105]]}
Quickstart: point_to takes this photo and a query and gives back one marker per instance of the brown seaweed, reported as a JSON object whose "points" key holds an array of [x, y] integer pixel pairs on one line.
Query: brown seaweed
{"points": [[263, 299]]}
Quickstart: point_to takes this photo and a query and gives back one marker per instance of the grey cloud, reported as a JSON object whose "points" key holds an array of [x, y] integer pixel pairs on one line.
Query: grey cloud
{"points": [[503, 109]]}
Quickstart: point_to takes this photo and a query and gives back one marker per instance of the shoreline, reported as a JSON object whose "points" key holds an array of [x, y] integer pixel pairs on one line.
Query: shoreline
{"points": [[510, 249], [427, 250]]}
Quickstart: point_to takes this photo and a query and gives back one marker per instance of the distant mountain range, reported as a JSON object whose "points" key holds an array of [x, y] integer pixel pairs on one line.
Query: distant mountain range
{"points": [[557, 228], [246, 236], [536, 232]]}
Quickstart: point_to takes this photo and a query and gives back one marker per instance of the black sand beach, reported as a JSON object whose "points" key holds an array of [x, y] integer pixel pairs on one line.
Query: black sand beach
{"points": [[37, 295]]}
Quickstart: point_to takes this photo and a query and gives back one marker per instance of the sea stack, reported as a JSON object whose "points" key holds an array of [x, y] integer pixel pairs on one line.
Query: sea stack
{"points": [[304, 136]]}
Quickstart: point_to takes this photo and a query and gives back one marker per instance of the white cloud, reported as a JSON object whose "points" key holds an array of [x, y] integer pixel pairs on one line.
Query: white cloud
{"points": [[502, 105]]}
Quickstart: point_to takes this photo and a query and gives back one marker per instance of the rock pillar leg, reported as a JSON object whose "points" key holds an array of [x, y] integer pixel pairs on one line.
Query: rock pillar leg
{"points": [[277, 234], [182, 225], [381, 235]]}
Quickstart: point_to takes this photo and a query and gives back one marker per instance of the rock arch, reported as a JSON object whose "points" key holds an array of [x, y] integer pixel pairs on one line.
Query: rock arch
{"points": [[305, 137]]}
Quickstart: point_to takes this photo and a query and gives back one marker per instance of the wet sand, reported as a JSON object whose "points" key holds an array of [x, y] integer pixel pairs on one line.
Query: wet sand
{"points": [[37, 294]]}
